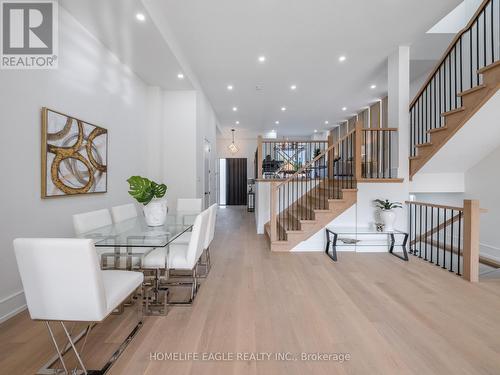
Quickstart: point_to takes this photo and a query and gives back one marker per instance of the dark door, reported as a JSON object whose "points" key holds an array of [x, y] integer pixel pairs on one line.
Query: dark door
{"points": [[236, 182]]}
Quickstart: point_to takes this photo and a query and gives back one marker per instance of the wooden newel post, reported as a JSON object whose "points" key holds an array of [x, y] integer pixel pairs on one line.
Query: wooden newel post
{"points": [[357, 149], [259, 157], [272, 205], [330, 157], [471, 240]]}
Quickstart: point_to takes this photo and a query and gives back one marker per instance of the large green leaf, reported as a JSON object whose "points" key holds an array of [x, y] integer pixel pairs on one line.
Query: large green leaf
{"points": [[141, 189], [159, 189], [144, 190]]}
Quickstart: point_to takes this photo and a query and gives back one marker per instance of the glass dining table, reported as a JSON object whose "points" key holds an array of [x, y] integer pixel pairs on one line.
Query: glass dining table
{"points": [[133, 239]]}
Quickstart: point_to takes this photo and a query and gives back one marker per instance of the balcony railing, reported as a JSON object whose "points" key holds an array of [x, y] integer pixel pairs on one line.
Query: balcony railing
{"points": [[446, 236]]}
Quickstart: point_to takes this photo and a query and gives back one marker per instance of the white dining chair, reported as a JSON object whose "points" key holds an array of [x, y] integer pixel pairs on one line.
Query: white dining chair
{"points": [[63, 283], [123, 212], [209, 236], [180, 257], [212, 219], [89, 221], [187, 208]]}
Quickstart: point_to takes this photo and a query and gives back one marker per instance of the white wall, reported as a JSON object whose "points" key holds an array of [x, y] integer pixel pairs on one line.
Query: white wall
{"points": [[482, 182], [90, 84], [206, 128], [152, 132], [180, 140]]}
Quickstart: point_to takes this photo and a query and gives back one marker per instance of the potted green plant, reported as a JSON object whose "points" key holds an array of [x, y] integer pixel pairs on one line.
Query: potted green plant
{"points": [[387, 213], [151, 195]]}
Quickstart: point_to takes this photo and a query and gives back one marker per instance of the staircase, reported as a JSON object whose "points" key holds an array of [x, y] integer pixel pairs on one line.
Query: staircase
{"points": [[466, 78], [319, 212], [312, 197]]}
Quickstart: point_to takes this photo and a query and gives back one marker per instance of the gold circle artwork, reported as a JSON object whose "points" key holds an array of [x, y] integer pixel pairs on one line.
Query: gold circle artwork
{"points": [[74, 156]]}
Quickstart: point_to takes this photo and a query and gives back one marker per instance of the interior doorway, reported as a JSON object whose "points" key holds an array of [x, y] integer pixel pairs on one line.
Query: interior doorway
{"points": [[233, 182], [208, 173]]}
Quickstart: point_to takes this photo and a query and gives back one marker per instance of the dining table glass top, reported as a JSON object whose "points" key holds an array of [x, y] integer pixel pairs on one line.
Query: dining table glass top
{"points": [[136, 233]]}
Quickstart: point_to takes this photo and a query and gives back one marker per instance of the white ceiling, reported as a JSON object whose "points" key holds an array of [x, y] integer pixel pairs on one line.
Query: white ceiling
{"points": [[139, 45], [221, 40], [302, 41]]}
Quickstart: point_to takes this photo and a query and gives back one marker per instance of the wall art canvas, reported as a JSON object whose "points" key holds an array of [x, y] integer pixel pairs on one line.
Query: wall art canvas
{"points": [[74, 156]]}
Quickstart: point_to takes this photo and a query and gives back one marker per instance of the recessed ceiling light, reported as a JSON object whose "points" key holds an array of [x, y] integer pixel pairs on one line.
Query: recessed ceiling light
{"points": [[235, 109], [140, 17], [326, 122], [180, 76], [262, 59], [315, 130], [277, 122], [293, 87], [283, 109], [373, 87], [344, 109], [237, 122], [230, 87], [342, 58]]}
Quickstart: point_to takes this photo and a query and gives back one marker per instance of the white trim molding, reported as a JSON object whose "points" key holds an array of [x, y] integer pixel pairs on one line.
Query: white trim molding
{"points": [[12, 305]]}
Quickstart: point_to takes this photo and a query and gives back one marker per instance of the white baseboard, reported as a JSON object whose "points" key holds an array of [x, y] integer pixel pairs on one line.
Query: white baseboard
{"points": [[12, 305]]}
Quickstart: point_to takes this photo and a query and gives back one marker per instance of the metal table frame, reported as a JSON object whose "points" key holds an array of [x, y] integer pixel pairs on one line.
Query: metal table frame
{"points": [[391, 236]]}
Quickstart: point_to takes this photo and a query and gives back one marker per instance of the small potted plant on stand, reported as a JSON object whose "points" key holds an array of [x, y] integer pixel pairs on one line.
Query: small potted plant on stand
{"points": [[387, 213], [151, 196]]}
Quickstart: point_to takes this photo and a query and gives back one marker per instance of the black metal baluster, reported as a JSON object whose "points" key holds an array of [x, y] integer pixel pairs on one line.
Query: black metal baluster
{"points": [[455, 72], [484, 35], [410, 220], [470, 53], [390, 155], [452, 249], [425, 234], [492, 34], [420, 235], [477, 52], [459, 240], [432, 234], [440, 96], [437, 233], [415, 231], [444, 240]]}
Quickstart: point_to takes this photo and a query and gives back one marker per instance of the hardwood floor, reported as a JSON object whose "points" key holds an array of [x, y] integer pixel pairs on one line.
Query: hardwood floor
{"points": [[391, 317]]}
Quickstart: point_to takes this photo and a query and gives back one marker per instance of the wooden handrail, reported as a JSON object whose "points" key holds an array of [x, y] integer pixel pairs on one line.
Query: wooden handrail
{"points": [[380, 129], [275, 140], [482, 210], [474, 18], [309, 163], [435, 205]]}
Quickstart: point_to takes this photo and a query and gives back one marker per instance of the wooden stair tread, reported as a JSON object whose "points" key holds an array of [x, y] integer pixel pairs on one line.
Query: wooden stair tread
{"points": [[435, 130], [488, 67], [453, 111], [470, 91], [427, 144]]}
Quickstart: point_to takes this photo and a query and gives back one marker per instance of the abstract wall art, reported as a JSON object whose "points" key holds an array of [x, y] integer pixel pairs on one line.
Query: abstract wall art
{"points": [[74, 156]]}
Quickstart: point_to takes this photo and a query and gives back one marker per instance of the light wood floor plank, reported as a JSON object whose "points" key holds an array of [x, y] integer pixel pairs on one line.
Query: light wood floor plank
{"points": [[392, 317]]}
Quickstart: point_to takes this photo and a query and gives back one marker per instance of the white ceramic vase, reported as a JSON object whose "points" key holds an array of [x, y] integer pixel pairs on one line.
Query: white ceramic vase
{"points": [[388, 217], [155, 212]]}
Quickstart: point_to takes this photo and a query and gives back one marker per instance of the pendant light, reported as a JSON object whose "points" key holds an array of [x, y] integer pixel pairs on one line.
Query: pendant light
{"points": [[232, 147]]}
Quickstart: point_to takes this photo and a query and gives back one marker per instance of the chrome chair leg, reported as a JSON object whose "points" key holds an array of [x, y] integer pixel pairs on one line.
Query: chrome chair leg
{"points": [[206, 264], [194, 288]]}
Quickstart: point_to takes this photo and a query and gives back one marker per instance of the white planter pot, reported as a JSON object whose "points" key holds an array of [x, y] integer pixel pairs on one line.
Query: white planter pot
{"points": [[388, 217], [155, 212]]}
